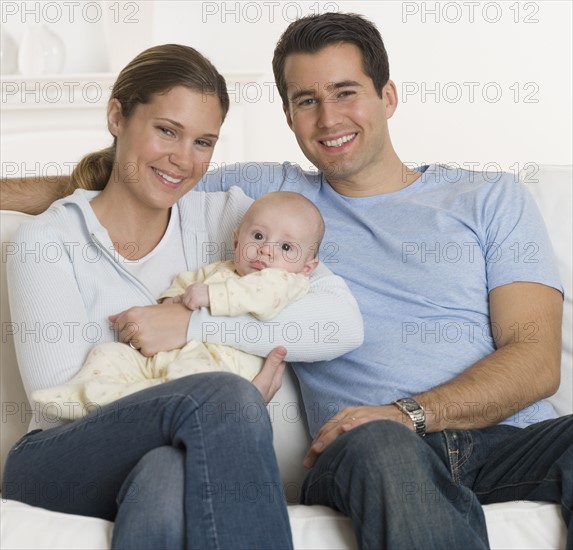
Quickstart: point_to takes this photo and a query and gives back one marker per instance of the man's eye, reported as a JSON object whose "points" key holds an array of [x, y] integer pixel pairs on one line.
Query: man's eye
{"points": [[286, 247], [307, 102], [259, 236]]}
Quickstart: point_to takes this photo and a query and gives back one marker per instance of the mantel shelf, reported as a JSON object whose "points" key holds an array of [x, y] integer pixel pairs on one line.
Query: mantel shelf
{"points": [[85, 90], [50, 121]]}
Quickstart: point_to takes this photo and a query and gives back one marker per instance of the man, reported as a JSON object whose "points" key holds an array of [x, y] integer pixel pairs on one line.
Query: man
{"points": [[461, 334], [442, 407]]}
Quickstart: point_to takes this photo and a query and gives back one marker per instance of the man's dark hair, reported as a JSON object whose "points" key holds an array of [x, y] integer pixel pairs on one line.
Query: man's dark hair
{"points": [[313, 33]]}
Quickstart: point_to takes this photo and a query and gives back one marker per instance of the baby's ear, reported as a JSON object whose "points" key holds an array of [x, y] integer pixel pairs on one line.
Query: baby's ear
{"points": [[235, 238], [309, 266]]}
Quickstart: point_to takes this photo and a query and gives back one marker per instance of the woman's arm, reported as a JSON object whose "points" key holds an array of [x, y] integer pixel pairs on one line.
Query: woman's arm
{"points": [[51, 328], [325, 324]]}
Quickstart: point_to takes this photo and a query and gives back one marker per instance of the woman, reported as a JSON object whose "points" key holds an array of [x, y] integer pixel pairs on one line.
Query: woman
{"points": [[166, 464]]}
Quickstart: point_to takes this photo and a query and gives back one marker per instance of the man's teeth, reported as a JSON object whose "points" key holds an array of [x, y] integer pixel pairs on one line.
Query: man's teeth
{"points": [[168, 178], [338, 142]]}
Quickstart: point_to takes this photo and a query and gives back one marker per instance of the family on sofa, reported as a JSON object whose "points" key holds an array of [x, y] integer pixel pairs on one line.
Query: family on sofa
{"points": [[441, 391]]}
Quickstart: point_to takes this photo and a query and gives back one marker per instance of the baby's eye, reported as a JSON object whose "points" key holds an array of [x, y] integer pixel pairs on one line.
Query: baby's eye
{"points": [[258, 236], [286, 247]]}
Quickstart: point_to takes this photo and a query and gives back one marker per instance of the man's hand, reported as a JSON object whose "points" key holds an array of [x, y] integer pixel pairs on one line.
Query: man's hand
{"points": [[152, 329], [270, 379], [346, 420], [195, 296]]}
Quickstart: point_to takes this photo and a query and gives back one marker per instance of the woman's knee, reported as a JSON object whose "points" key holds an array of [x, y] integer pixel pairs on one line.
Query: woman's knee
{"points": [[218, 386]]}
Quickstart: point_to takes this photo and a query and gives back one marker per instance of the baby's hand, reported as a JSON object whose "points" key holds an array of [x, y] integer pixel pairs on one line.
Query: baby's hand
{"points": [[195, 296]]}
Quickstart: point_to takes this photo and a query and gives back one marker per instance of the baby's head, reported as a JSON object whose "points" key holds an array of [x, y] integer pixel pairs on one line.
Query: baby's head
{"points": [[281, 230]]}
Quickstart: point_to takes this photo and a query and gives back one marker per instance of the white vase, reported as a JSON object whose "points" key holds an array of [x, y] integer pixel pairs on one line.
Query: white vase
{"points": [[41, 52], [8, 53]]}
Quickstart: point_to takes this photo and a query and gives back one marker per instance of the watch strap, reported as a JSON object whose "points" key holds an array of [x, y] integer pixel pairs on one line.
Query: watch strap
{"points": [[415, 411]]}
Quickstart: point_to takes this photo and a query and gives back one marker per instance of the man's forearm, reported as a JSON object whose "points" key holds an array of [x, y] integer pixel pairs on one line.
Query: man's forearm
{"points": [[523, 370], [493, 389], [32, 195]]}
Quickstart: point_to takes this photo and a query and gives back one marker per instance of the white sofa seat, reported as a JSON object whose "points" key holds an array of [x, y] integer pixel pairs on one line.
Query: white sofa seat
{"points": [[518, 525]]}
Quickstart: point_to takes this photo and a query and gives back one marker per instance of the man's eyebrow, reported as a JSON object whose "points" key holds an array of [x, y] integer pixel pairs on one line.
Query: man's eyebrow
{"points": [[342, 84], [304, 92]]}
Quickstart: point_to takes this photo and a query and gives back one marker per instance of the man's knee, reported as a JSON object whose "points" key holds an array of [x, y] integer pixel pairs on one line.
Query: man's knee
{"points": [[380, 437], [374, 450]]}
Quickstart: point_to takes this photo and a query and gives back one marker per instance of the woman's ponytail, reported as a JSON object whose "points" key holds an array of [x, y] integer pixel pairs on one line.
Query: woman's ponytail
{"points": [[94, 170]]}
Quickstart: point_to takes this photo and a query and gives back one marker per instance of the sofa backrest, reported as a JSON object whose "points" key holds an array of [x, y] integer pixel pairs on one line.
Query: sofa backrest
{"points": [[550, 185], [552, 188], [14, 403]]}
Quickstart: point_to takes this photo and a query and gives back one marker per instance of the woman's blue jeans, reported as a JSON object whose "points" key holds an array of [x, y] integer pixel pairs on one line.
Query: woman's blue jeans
{"points": [[404, 491], [187, 464]]}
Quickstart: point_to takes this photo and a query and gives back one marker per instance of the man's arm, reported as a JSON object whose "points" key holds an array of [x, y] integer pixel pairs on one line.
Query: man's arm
{"points": [[526, 325], [33, 195]]}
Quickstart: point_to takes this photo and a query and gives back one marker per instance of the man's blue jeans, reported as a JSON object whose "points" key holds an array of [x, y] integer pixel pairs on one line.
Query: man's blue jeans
{"points": [[404, 491], [187, 464]]}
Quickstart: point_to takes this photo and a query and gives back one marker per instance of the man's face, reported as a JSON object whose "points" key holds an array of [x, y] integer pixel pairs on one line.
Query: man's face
{"points": [[338, 119]]}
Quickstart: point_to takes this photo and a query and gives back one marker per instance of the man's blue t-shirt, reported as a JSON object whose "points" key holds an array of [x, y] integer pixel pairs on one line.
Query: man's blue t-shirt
{"points": [[420, 262]]}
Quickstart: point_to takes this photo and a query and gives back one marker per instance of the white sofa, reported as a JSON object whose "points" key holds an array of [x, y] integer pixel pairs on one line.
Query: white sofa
{"points": [[510, 525]]}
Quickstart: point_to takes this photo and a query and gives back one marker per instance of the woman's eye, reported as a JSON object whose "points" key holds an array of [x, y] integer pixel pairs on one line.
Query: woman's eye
{"points": [[167, 131], [286, 247], [258, 236]]}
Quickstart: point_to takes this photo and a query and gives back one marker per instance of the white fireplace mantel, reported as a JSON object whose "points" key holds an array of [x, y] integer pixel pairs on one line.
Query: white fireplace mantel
{"points": [[49, 122]]}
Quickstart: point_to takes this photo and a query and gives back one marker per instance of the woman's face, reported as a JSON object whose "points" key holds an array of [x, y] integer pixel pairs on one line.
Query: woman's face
{"points": [[165, 146]]}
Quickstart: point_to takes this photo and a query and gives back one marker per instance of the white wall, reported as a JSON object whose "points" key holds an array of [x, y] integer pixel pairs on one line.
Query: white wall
{"points": [[518, 53], [514, 57]]}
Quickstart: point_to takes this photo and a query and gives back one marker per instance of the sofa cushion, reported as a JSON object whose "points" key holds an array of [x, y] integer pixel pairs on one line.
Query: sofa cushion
{"points": [[551, 187], [510, 525]]}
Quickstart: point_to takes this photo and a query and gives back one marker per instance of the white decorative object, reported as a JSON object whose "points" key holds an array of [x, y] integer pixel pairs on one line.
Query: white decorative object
{"points": [[8, 53], [128, 30], [41, 51]]}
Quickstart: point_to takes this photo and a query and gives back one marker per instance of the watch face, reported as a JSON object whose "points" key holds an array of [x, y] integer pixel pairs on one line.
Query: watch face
{"points": [[410, 405]]}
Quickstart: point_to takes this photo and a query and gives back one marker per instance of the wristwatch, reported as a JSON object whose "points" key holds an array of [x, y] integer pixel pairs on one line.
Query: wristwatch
{"points": [[415, 411]]}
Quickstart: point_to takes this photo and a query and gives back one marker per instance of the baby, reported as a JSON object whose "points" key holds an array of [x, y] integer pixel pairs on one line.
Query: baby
{"points": [[275, 250]]}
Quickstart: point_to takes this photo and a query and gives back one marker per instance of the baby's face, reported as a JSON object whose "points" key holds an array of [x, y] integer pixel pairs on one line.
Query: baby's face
{"points": [[274, 236]]}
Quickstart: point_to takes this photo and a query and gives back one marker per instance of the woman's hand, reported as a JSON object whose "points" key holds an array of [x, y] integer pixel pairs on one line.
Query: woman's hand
{"points": [[270, 379], [151, 329]]}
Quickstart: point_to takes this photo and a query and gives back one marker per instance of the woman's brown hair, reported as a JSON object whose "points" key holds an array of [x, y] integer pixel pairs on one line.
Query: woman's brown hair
{"points": [[154, 71]]}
